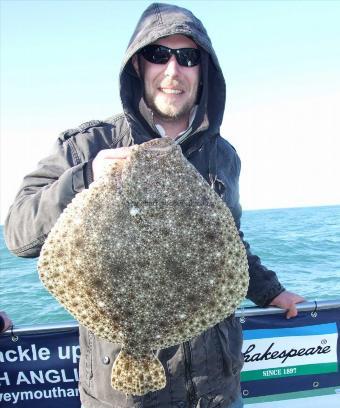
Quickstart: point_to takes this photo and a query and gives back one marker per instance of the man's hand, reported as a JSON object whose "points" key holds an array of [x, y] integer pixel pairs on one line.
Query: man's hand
{"points": [[106, 157], [5, 322], [287, 300]]}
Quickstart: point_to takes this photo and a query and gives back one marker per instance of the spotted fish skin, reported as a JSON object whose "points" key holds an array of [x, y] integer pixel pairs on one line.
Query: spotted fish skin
{"points": [[148, 257]]}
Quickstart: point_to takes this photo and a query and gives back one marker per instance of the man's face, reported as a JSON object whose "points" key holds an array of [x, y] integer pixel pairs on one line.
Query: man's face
{"points": [[170, 90]]}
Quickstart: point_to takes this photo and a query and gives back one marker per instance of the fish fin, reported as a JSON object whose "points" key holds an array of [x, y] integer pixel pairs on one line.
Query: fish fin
{"points": [[137, 375]]}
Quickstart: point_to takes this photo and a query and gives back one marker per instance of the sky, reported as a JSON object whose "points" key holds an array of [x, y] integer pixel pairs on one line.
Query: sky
{"points": [[60, 62]]}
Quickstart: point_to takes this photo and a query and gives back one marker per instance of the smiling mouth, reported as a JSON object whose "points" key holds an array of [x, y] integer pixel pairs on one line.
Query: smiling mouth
{"points": [[171, 91]]}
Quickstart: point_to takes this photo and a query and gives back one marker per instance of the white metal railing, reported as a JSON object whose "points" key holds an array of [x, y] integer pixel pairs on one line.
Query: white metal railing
{"points": [[242, 312]]}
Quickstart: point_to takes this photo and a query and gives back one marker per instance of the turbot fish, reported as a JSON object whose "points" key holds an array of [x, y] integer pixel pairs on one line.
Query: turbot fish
{"points": [[147, 257]]}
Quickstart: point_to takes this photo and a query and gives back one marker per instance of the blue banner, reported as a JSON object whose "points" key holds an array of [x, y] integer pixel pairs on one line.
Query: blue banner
{"points": [[283, 359], [40, 370]]}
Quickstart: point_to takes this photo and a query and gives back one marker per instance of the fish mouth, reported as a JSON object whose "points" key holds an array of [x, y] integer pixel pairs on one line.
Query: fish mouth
{"points": [[161, 149], [161, 146]]}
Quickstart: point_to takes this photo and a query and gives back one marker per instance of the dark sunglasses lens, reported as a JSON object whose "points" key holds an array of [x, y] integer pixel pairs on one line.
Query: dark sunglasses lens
{"points": [[156, 54], [188, 57]]}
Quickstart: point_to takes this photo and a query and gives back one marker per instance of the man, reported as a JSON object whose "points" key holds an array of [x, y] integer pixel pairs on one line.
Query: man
{"points": [[171, 84]]}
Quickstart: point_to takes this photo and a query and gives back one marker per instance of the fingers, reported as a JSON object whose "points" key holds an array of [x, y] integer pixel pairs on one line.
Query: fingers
{"points": [[119, 153], [106, 157], [292, 300], [7, 323], [300, 299], [288, 300], [292, 311]]}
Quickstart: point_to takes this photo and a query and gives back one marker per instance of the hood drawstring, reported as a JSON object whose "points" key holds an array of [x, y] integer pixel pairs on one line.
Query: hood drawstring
{"points": [[213, 163], [215, 182]]}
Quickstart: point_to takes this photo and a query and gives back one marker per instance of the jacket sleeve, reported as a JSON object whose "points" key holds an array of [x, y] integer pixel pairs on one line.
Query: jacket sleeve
{"points": [[264, 285], [43, 195]]}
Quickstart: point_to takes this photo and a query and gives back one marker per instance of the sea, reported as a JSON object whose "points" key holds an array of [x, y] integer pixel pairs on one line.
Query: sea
{"points": [[302, 245]]}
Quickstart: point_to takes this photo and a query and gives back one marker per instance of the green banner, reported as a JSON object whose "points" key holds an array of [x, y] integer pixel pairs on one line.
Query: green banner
{"points": [[289, 371]]}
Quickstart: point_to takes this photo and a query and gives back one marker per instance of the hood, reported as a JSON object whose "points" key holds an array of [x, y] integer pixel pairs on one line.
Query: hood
{"points": [[161, 20]]}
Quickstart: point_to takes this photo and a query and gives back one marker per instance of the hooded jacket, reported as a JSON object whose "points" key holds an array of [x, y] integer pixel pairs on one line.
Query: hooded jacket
{"points": [[204, 372]]}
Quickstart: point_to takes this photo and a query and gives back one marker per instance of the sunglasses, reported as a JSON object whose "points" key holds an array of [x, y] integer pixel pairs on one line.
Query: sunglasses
{"points": [[159, 54]]}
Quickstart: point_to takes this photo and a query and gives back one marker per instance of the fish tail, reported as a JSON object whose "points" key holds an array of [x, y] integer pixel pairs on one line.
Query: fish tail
{"points": [[137, 375]]}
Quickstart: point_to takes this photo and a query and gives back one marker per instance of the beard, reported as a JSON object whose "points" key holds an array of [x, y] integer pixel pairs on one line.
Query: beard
{"points": [[167, 109]]}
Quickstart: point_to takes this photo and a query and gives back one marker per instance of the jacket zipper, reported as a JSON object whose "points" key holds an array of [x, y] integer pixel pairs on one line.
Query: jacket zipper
{"points": [[189, 383]]}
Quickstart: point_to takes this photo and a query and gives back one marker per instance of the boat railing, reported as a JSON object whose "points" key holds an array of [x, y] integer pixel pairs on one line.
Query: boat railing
{"points": [[243, 312]]}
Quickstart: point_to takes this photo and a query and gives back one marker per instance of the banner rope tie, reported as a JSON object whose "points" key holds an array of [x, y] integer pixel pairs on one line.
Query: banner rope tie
{"points": [[315, 311]]}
